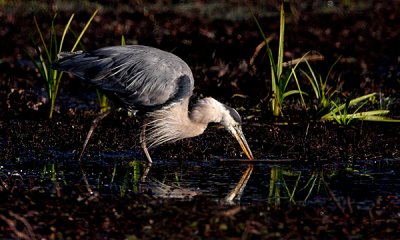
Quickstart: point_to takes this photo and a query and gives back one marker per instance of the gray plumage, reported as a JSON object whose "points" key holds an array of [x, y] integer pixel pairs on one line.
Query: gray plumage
{"points": [[156, 82], [139, 77]]}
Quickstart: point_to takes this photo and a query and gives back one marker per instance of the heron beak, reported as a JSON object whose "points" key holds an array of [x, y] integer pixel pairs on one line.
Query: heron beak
{"points": [[237, 132]]}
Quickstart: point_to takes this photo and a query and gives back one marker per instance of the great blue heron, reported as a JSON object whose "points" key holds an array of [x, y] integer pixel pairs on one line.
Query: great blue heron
{"points": [[158, 83]]}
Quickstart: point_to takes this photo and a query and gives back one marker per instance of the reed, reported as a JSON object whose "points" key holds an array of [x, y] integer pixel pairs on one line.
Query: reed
{"points": [[47, 52], [279, 78]]}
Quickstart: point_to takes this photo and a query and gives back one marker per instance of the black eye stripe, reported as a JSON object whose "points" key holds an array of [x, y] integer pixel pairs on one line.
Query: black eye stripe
{"points": [[234, 114]]}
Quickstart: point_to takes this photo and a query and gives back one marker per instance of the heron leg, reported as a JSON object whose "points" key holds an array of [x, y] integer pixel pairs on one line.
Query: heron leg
{"points": [[145, 150], [89, 135], [145, 172], [143, 142], [94, 125]]}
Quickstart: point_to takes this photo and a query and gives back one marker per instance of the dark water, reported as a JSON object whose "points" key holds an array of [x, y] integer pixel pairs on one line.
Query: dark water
{"points": [[118, 173]]}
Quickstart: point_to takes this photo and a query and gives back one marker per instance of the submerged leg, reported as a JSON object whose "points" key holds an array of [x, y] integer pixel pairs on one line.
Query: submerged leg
{"points": [[143, 142], [145, 150], [94, 125]]}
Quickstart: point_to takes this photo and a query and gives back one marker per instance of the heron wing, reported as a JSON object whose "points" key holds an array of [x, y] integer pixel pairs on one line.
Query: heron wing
{"points": [[140, 77]]}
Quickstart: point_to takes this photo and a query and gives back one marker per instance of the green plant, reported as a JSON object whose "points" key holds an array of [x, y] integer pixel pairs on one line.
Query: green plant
{"points": [[328, 108], [52, 172], [278, 84], [278, 183], [323, 94], [103, 101], [341, 112], [49, 55], [294, 186], [129, 181], [279, 80], [131, 178], [312, 183]]}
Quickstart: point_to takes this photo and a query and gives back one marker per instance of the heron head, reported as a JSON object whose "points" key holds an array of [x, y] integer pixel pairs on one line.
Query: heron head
{"points": [[232, 122], [209, 110]]}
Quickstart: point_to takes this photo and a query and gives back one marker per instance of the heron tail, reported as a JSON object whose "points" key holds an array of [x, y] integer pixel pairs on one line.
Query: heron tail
{"points": [[73, 62]]}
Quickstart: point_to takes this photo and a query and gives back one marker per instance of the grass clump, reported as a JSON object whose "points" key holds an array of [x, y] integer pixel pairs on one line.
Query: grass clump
{"points": [[48, 51], [330, 107], [280, 78], [342, 114], [279, 81]]}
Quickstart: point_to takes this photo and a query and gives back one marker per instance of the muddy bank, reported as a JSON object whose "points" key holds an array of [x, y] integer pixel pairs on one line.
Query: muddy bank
{"points": [[312, 142], [37, 215]]}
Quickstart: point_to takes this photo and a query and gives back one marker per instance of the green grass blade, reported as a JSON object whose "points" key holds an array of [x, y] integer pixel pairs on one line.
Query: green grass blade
{"points": [[315, 176], [359, 107], [360, 99], [381, 119], [299, 89], [373, 115], [281, 42], [351, 103], [269, 51], [53, 42], [314, 84], [41, 37], [291, 195], [44, 67], [84, 30], [293, 92], [273, 183], [318, 90], [308, 182], [333, 116], [57, 82], [65, 32], [330, 70], [274, 76], [370, 113], [123, 40], [37, 66], [258, 25], [311, 71], [81, 46]]}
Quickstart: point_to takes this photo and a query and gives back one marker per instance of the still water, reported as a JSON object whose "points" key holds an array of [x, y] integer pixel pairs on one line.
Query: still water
{"points": [[360, 184]]}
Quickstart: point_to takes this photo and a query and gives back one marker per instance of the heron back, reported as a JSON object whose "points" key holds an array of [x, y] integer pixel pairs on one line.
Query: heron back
{"points": [[139, 77]]}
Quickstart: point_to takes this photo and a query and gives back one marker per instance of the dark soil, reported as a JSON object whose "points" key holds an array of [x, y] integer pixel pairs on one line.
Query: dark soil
{"points": [[141, 217], [217, 40]]}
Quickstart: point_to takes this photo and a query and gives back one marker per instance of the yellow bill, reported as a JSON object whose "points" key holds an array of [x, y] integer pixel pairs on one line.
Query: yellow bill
{"points": [[237, 132]]}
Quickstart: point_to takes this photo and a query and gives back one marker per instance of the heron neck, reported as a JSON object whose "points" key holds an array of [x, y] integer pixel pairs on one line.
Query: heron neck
{"points": [[173, 123], [207, 110]]}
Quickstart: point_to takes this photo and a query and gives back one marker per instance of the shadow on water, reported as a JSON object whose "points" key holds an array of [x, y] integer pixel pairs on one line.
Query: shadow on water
{"points": [[339, 185]]}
